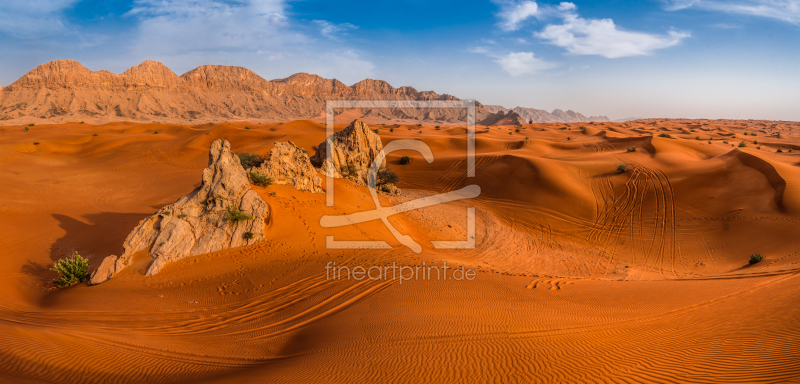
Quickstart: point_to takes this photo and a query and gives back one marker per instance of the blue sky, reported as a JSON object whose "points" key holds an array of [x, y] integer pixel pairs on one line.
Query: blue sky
{"points": [[660, 58]]}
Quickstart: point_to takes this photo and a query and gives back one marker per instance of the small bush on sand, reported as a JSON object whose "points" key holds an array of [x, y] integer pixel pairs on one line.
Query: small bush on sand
{"points": [[405, 160], [155, 133], [248, 235], [663, 135], [375, 130], [249, 160], [31, 124], [742, 144], [26, 129], [233, 213], [632, 149], [246, 127], [517, 130], [71, 270], [756, 257], [622, 168], [35, 143], [386, 176], [779, 150], [391, 129], [347, 170], [95, 134], [260, 180]]}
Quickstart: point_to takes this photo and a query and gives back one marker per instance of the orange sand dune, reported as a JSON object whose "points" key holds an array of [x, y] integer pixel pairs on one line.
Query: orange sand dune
{"points": [[583, 274]]}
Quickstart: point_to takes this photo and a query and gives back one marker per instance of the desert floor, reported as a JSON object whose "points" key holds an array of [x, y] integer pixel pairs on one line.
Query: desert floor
{"points": [[583, 274]]}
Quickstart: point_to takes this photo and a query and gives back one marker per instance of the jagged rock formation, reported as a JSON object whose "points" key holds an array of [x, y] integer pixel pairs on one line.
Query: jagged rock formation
{"points": [[503, 118], [289, 165], [355, 146], [222, 213], [542, 116], [65, 90]]}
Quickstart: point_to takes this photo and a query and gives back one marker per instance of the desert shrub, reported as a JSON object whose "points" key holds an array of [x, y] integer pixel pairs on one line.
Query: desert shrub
{"points": [[31, 124], [697, 138], [249, 160], [35, 143], [405, 160], [166, 213], [375, 130], [755, 142], [260, 180], [790, 149], [692, 130], [81, 122], [347, 170], [181, 216], [71, 270], [724, 141], [155, 133], [517, 130], [780, 150], [622, 168], [438, 127], [510, 133], [419, 125], [95, 134], [386, 188], [248, 235], [742, 144], [233, 213], [756, 257], [246, 127], [386, 176], [663, 135], [391, 129], [569, 138], [632, 149]]}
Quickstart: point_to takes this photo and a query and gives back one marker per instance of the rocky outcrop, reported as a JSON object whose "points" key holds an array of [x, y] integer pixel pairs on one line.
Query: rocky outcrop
{"points": [[289, 165], [503, 118], [354, 149], [224, 212]]}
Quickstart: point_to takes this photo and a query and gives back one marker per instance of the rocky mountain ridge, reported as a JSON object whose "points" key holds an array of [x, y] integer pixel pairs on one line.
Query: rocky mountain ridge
{"points": [[65, 90]]}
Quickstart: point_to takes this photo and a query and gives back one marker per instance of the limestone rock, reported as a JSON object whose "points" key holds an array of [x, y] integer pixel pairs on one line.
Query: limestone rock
{"points": [[222, 213], [355, 145], [289, 165], [104, 271]]}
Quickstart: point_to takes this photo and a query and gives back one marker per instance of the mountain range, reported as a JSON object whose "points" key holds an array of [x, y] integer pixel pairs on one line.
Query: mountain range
{"points": [[65, 90]]}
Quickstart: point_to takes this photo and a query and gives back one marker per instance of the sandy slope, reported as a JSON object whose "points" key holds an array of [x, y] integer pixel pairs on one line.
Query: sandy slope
{"points": [[583, 274]]}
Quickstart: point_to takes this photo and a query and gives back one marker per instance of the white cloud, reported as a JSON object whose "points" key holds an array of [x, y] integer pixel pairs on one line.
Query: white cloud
{"points": [[33, 17], [602, 37], [256, 34], [785, 10], [522, 63], [513, 13], [331, 30]]}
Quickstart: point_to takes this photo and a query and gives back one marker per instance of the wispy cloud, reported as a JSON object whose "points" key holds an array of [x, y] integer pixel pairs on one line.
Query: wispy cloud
{"points": [[516, 63], [602, 37], [332, 30], [512, 13], [33, 18], [255, 33], [785, 10], [522, 63]]}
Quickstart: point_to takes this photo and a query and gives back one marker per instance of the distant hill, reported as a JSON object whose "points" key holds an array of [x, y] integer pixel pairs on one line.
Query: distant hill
{"points": [[65, 90]]}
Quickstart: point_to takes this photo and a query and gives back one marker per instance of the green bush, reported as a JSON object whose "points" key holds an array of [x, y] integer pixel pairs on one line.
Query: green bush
{"points": [[156, 132], [742, 144], [71, 270], [756, 257], [405, 160], [95, 134], [248, 235], [697, 138], [27, 129], [233, 213], [260, 180], [35, 143], [632, 149], [780, 150], [391, 129], [249, 160], [622, 168], [375, 130], [31, 124], [663, 135], [569, 138], [386, 176], [347, 170], [517, 130], [246, 127]]}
